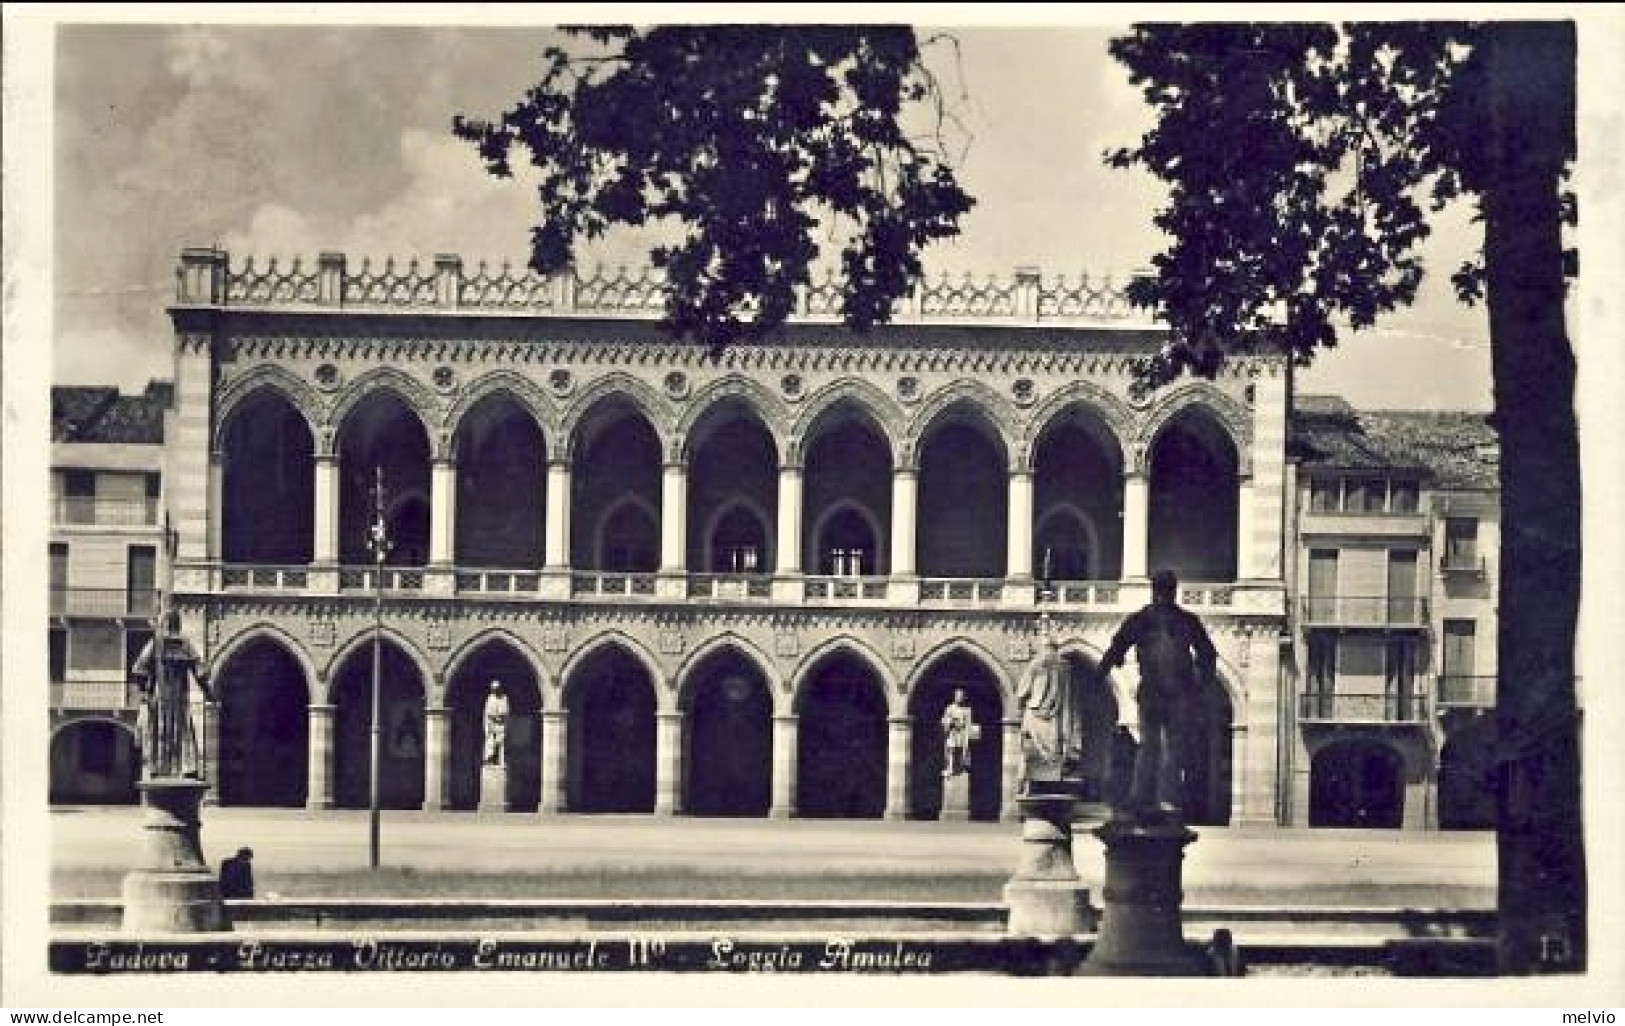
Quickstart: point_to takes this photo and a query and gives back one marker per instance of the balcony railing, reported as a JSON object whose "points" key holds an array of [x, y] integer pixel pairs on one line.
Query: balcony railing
{"points": [[962, 591], [730, 586], [111, 603], [1362, 707], [1365, 611], [265, 578], [1081, 593], [498, 582], [403, 578], [612, 584], [90, 694], [86, 510], [844, 589], [1473, 692], [1461, 564]]}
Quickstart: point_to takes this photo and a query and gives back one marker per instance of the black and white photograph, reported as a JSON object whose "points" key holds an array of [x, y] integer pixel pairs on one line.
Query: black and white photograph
{"points": [[885, 506]]}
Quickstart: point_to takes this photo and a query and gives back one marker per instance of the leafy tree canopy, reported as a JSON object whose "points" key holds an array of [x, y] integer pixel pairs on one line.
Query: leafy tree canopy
{"points": [[750, 138]]}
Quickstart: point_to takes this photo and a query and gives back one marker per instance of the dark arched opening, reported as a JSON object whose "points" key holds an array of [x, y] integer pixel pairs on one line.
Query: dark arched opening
{"points": [[501, 486], [612, 735], [730, 738], [267, 493], [841, 754], [264, 727], [1356, 784], [401, 744]]}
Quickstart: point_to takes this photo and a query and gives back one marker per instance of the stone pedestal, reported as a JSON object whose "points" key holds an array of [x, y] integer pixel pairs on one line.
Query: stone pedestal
{"points": [[955, 798], [493, 788], [1140, 932], [1045, 895], [172, 890]]}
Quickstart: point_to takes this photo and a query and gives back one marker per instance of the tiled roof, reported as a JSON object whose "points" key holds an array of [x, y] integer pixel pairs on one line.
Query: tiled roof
{"points": [[1450, 448], [98, 413]]}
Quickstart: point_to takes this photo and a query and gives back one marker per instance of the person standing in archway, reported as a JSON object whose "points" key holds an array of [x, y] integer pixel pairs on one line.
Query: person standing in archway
{"points": [[1177, 659]]}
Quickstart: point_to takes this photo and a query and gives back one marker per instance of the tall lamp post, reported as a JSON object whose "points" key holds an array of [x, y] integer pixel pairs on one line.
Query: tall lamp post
{"points": [[378, 543]]}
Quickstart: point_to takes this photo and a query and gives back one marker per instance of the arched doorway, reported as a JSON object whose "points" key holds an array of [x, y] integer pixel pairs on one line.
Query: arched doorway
{"points": [[615, 502], [848, 469], [264, 726], [1466, 785], [952, 672], [401, 750], [730, 738], [501, 486], [93, 762], [841, 752], [1077, 499], [1193, 499], [733, 493], [964, 498], [382, 432], [267, 493], [466, 693], [612, 734], [1357, 783]]}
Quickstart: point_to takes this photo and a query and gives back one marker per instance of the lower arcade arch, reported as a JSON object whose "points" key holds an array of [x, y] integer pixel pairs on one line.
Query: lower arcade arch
{"points": [[611, 747], [401, 748], [956, 671], [841, 750], [467, 690], [93, 762], [728, 743], [264, 727], [1357, 783]]}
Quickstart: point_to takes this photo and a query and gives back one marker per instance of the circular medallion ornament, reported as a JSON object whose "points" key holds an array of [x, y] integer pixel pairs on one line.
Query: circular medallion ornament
{"points": [[677, 385], [791, 386], [445, 379], [327, 377], [908, 389], [1024, 391], [561, 381]]}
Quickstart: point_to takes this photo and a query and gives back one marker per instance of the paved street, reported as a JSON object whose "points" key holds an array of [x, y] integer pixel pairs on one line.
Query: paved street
{"points": [[597, 856]]}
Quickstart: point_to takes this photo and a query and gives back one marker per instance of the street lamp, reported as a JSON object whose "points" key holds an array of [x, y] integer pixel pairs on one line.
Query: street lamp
{"points": [[378, 543]]}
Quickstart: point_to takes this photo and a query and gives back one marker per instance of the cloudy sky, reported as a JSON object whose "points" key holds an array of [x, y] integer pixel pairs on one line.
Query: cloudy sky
{"points": [[291, 140]]}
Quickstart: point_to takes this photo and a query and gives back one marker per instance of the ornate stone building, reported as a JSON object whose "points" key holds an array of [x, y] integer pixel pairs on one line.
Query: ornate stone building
{"points": [[735, 586]]}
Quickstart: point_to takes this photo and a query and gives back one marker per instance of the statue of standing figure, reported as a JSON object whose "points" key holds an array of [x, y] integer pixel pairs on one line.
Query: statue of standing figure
{"points": [[959, 729], [496, 726], [166, 728], [1176, 659], [1051, 718]]}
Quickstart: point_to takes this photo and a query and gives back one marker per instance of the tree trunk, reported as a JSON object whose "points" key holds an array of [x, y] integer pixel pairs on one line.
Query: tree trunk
{"points": [[1542, 879]]}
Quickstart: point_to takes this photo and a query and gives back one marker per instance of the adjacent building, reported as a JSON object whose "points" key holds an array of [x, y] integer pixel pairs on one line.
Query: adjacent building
{"points": [[749, 585], [105, 553]]}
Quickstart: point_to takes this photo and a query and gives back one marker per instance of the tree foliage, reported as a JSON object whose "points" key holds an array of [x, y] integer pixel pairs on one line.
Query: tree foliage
{"points": [[756, 140], [1299, 158]]}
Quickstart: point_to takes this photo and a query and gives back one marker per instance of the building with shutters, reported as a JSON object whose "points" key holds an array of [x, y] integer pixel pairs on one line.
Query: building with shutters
{"points": [[105, 553]]}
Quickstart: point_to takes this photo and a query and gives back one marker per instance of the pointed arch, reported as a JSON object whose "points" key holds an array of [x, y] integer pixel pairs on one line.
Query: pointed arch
{"points": [[747, 650], [454, 664], [767, 407], [605, 640], [1113, 414], [1197, 398], [276, 634], [974, 650], [529, 396], [80, 719], [272, 380], [618, 385], [858, 393], [985, 405], [409, 390], [846, 644], [359, 641]]}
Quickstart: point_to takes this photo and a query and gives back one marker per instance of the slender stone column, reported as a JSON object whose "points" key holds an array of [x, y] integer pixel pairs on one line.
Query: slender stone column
{"points": [[209, 718], [785, 739], [557, 538], [673, 519], [668, 763], [434, 758], [554, 767], [319, 759], [1019, 556], [442, 511], [789, 525], [325, 546], [899, 761], [905, 486], [1010, 773], [216, 492], [1136, 525]]}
